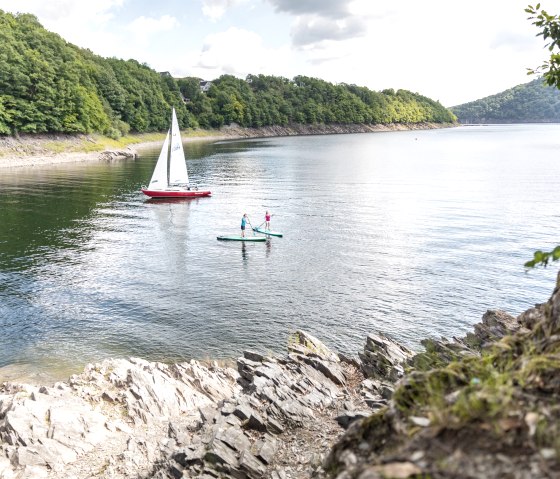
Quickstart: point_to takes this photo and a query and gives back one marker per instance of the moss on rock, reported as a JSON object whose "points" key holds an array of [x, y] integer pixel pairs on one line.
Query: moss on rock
{"points": [[462, 413]]}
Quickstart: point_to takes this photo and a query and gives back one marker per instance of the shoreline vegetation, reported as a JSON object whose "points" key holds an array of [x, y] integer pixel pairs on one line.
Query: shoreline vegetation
{"points": [[50, 86], [36, 150]]}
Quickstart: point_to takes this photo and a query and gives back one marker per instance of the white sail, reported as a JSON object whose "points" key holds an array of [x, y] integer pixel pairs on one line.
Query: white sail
{"points": [[159, 177], [177, 166]]}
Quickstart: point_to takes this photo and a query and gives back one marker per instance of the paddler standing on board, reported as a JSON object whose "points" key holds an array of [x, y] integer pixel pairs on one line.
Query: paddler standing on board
{"points": [[243, 224], [267, 221]]}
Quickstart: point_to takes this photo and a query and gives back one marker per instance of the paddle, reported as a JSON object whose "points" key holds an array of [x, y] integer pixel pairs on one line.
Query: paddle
{"points": [[252, 229]]}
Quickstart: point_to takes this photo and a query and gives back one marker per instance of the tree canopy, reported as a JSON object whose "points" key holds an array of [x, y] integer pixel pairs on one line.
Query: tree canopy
{"points": [[262, 100], [50, 85]]}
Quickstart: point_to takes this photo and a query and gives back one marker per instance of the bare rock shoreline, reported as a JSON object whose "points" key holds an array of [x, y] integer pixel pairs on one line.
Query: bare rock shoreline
{"points": [[311, 413], [272, 417], [36, 150]]}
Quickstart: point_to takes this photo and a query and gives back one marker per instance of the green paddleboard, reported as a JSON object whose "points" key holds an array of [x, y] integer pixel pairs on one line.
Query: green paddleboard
{"points": [[267, 232], [241, 238]]}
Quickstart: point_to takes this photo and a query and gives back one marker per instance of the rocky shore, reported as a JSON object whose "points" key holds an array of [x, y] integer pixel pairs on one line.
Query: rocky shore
{"points": [[485, 405], [272, 417], [40, 150]]}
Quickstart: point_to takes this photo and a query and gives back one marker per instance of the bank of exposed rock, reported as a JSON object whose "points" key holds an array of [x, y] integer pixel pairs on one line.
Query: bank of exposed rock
{"points": [[273, 417], [43, 149], [323, 129], [480, 406]]}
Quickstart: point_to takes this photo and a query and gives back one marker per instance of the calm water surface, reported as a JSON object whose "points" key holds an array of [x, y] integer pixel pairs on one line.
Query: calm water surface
{"points": [[414, 234]]}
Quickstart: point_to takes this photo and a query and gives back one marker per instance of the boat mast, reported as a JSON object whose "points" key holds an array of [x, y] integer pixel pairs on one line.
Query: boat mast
{"points": [[169, 146]]}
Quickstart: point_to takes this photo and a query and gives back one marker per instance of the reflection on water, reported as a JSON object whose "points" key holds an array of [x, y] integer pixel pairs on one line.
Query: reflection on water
{"points": [[415, 234]]}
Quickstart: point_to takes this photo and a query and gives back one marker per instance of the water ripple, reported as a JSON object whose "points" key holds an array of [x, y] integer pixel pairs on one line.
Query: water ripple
{"points": [[414, 234]]}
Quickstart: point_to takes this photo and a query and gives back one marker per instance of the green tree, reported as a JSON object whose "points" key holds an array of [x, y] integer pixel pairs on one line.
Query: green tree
{"points": [[48, 85], [549, 26], [4, 118]]}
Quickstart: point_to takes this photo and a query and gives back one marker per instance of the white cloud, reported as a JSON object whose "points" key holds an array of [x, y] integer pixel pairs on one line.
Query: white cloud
{"points": [[146, 26], [54, 11], [423, 47], [216, 9], [308, 29], [317, 21], [236, 52], [513, 40], [78, 22], [323, 8]]}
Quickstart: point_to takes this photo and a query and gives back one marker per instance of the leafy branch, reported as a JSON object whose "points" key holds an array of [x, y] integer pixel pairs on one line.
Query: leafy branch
{"points": [[541, 258], [549, 26]]}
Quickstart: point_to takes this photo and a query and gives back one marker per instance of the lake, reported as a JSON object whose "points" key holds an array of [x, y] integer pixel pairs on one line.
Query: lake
{"points": [[414, 234]]}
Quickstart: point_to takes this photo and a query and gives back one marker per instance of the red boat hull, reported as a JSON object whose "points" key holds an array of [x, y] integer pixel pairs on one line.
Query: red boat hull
{"points": [[176, 194]]}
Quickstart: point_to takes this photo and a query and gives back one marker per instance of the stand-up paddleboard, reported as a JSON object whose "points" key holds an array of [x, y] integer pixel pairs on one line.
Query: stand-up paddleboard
{"points": [[242, 238], [267, 232]]}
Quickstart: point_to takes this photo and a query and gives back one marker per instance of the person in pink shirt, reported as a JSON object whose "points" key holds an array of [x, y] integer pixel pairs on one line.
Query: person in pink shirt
{"points": [[267, 216]]}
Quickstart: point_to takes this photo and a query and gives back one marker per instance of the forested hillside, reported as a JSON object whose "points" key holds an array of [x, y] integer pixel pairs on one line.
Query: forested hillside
{"points": [[532, 102], [49, 85], [268, 100]]}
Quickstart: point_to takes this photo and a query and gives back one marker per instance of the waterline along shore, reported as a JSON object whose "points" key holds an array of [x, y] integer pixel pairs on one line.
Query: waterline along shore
{"points": [[47, 149], [309, 413]]}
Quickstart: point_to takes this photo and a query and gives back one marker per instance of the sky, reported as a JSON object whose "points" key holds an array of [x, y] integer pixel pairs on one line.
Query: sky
{"points": [[451, 51]]}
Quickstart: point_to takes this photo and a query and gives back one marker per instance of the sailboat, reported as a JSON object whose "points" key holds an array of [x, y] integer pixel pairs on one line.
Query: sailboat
{"points": [[170, 178]]}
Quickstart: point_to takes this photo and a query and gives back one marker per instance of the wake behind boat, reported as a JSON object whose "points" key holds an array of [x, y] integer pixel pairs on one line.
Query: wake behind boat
{"points": [[170, 178]]}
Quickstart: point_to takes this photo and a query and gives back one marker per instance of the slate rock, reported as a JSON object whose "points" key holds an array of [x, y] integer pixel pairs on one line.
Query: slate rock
{"points": [[254, 468], [253, 356], [233, 437], [208, 414], [495, 325], [348, 417], [273, 426], [266, 449], [313, 346], [256, 422], [189, 456], [219, 453], [243, 412], [383, 358]]}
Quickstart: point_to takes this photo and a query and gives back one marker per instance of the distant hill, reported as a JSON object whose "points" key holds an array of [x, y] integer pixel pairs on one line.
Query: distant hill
{"points": [[532, 102], [48, 85]]}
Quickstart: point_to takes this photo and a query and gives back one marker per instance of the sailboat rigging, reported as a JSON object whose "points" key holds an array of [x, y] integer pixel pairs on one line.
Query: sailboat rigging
{"points": [[170, 178]]}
